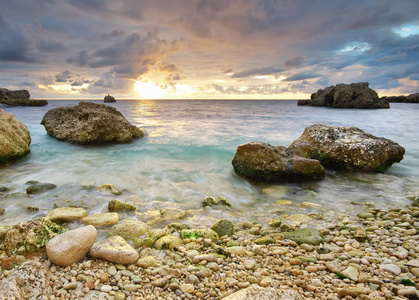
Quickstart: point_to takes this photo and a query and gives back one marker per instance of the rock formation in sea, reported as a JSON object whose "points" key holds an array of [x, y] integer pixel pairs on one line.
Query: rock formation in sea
{"points": [[19, 98], [262, 163], [354, 95], [347, 148], [14, 138], [109, 98], [89, 123], [412, 98]]}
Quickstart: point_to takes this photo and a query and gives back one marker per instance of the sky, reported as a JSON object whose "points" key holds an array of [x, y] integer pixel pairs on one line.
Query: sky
{"points": [[207, 49]]}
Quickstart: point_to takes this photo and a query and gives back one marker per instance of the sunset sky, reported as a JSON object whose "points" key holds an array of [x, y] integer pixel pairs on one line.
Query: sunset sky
{"points": [[248, 49]]}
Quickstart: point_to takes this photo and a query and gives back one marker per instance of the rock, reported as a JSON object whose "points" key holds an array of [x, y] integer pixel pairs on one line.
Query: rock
{"points": [[204, 233], [168, 242], [260, 293], [274, 223], [309, 236], [66, 214], [266, 240], [413, 263], [114, 249], [167, 215], [412, 98], [354, 95], [129, 229], [89, 123], [29, 281], [10, 262], [116, 205], [70, 247], [14, 138], [38, 188], [351, 273], [28, 237], [147, 262], [299, 218], [109, 98], [211, 201], [394, 269], [352, 291], [19, 98], [71, 203], [109, 187], [152, 236], [101, 220], [349, 148], [262, 163], [223, 227]]}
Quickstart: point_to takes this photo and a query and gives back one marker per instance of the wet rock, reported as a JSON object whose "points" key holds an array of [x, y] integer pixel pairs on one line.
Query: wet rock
{"points": [[71, 203], [354, 95], [204, 233], [266, 240], [114, 249], [101, 220], [70, 247], [309, 236], [28, 237], [14, 138], [66, 214], [129, 229], [274, 223], [89, 123], [148, 242], [212, 201], [168, 242], [109, 187], [39, 188], [29, 281], [299, 218], [147, 262], [19, 98], [116, 205], [223, 227], [12, 261], [349, 148], [262, 163], [260, 293], [167, 215]]}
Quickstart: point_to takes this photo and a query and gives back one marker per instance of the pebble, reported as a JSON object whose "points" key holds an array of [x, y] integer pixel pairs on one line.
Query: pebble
{"points": [[106, 288], [249, 264], [394, 269], [187, 288]]}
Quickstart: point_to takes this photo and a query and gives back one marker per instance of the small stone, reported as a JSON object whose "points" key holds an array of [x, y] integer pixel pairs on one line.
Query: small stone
{"points": [[266, 240], [70, 286], [333, 266], [66, 214], [311, 269], [407, 291], [187, 288], [414, 263], [130, 287], [112, 270], [116, 205], [168, 242], [101, 220], [105, 288], [396, 270], [307, 247], [296, 261], [119, 296], [353, 292], [352, 273], [249, 264], [147, 262], [205, 272]]}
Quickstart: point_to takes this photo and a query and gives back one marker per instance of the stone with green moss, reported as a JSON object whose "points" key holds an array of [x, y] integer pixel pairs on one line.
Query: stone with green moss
{"points": [[148, 242], [307, 259], [223, 227], [309, 236], [116, 205], [275, 223], [168, 242], [199, 233], [178, 226], [266, 240], [39, 188], [28, 237], [2, 211]]}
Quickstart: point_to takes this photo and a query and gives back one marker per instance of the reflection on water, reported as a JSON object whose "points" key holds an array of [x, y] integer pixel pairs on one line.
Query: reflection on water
{"points": [[186, 155]]}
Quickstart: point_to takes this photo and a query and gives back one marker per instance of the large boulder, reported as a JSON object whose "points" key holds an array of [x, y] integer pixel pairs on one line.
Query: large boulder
{"points": [[347, 148], [89, 123], [14, 138], [354, 95], [262, 163], [19, 98]]}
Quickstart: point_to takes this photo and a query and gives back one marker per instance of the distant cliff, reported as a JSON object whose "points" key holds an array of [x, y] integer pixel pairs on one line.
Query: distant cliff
{"points": [[412, 98], [19, 98]]}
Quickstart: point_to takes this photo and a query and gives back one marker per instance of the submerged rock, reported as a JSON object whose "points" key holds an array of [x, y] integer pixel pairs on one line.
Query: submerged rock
{"points": [[19, 98], [28, 237], [262, 163], [308, 236], [211, 201], [39, 187], [14, 138], [129, 229], [101, 220], [354, 95], [116, 205], [348, 148], [109, 187], [89, 123]]}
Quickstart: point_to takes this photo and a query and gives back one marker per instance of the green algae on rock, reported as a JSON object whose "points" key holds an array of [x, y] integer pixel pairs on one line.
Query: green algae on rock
{"points": [[168, 242], [116, 205], [223, 227], [199, 233], [211, 201], [28, 237], [309, 236]]}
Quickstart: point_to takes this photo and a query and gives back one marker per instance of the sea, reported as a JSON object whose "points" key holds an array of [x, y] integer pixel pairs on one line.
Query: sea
{"points": [[186, 156]]}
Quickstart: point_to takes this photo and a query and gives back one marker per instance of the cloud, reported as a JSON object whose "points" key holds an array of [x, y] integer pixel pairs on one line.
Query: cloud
{"points": [[302, 76], [294, 62], [257, 71], [80, 59], [168, 68], [398, 56], [63, 76], [50, 46]]}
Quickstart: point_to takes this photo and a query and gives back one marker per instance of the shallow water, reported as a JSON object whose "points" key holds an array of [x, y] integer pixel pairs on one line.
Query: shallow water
{"points": [[186, 155]]}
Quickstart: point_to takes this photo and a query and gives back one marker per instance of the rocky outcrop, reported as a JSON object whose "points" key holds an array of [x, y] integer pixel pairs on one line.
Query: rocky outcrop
{"points": [[262, 163], [19, 98], [89, 123], [14, 138], [354, 95], [412, 98], [347, 148], [109, 98]]}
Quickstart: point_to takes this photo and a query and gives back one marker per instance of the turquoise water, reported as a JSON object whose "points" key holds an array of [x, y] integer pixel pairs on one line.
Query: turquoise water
{"points": [[186, 155]]}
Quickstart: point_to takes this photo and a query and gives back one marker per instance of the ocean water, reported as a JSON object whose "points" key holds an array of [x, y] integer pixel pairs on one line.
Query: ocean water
{"points": [[186, 155]]}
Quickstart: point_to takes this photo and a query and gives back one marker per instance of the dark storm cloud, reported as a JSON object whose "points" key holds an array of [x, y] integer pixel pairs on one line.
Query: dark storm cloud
{"points": [[294, 62], [50, 46], [63, 76]]}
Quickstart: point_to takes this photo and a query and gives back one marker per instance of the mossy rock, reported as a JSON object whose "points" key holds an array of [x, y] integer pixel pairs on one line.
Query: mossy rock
{"points": [[212, 201], [129, 229], [148, 242], [168, 242], [2, 211], [28, 237], [275, 223], [178, 226], [223, 227], [266, 240], [116, 205], [309, 236], [199, 233], [39, 188]]}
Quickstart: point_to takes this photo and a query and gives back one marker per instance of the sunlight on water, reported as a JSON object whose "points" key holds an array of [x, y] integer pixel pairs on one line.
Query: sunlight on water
{"points": [[186, 155]]}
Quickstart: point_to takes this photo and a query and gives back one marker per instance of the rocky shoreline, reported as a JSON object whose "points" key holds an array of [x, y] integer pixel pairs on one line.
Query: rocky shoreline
{"points": [[374, 255]]}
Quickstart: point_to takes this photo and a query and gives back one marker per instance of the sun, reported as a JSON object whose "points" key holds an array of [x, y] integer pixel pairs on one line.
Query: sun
{"points": [[148, 90]]}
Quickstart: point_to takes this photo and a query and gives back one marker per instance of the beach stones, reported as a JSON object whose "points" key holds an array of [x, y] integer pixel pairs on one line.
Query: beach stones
{"points": [[129, 229], [89, 123], [39, 187], [309, 236], [14, 138], [101, 220], [66, 214], [116, 205], [262, 163], [348, 148], [223, 227], [114, 249], [260, 293], [70, 247]]}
